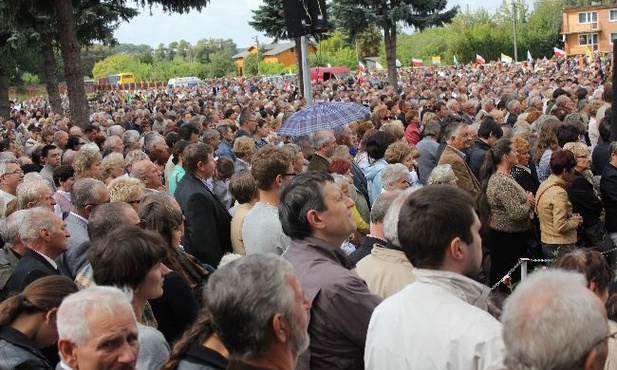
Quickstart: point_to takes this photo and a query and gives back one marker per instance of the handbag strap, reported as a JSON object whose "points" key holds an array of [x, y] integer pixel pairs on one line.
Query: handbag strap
{"points": [[540, 196]]}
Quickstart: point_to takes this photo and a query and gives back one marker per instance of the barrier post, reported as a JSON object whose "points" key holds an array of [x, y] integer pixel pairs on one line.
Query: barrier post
{"points": [[524, 268]]}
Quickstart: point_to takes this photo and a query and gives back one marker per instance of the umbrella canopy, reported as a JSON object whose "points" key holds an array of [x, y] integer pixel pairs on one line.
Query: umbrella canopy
{"points": [[324, 116]]}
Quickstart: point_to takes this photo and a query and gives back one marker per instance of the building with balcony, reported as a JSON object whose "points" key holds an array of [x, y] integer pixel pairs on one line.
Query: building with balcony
{"points": [[284, 53], [589, 28]]}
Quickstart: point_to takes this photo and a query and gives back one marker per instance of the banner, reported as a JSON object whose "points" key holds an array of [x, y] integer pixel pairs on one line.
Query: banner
{"points": [[455, 60], [436, 60], [480, 59], [416, 62], [529, 58], [506, 59], [361, 66], [558, 52]]}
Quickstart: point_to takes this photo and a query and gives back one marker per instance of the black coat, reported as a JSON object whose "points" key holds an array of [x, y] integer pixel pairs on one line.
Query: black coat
{"points": [[608, 191], [477, 155], [600, 157], [584, 199], [207, 227], [17, 351], [31, 266]]}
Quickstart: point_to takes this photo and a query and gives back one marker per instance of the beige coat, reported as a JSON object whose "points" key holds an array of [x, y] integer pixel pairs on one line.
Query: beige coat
{"points": [[554, 210], [386, 271]]}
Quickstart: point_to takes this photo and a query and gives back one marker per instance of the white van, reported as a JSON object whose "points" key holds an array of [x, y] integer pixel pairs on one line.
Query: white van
{"points": [[189, 82]]}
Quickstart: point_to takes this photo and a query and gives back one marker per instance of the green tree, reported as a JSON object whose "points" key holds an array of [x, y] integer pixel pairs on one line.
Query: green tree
{"points": [[221, 64], [354, 16], [250, 66], [270, 19]]}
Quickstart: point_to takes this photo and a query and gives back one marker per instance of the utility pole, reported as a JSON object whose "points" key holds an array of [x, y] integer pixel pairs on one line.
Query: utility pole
{"points": [[256, 38], [514, 30]]}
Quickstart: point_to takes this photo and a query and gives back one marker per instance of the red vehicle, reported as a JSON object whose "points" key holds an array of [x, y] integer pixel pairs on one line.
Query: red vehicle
{"points": [[328, 73]]}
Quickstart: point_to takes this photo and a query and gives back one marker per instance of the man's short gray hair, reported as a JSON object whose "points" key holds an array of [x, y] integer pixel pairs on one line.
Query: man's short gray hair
{"points": [[551, 331], [86, 191], [72, 320], [130, 136], [4, 164], [35, 220], [151, 138], [381, 206], [29, 191], [390, 221], [9, 228], [320, 138], [242, 297], [393, 172], [210, 133], [441, 174], [115, 130]]}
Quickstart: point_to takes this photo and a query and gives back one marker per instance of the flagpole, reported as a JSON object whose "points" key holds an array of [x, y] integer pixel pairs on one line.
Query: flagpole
{"points": [[514, 29]]}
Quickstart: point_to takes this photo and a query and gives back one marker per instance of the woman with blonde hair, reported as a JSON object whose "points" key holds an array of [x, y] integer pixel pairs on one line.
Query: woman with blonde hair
{"points": [[88, 163], [243, 148], [28, 323], [113, 166], [381, 116], [584, 199], [401, 152]]}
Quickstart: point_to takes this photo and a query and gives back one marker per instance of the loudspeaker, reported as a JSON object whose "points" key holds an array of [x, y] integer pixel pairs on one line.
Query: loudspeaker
{"points": [[319, 16], [296, 18], [303, 17]]}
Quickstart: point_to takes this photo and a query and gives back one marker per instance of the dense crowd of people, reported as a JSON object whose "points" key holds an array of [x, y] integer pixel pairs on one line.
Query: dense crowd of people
{"points": [[178, 230]]}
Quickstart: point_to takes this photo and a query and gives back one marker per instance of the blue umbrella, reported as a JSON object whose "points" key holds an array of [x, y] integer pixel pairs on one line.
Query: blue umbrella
{"points": [[324, 116]]}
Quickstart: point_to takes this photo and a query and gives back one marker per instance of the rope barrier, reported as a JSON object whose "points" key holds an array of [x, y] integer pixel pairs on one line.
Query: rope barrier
{"points": [[523, 261]]}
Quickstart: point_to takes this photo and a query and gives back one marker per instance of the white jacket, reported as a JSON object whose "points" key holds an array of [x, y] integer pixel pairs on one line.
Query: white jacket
{"points": [[437, 322]]}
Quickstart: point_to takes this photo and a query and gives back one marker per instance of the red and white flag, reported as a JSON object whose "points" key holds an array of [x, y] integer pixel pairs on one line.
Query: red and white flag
{"points": [[480, 59], [558, 52], [416, 62], [361, 66]]}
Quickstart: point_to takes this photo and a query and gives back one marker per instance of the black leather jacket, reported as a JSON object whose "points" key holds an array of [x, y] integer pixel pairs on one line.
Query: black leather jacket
{"points": [[17, 351]]}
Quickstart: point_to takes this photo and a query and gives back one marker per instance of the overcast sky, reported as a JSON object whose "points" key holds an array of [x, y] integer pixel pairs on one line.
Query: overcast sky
{"points": [[220, 19]]}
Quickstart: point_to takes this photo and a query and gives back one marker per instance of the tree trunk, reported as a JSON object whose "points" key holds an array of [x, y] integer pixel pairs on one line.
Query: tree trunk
{"points": [[299, 57], [49, 67], [389, 32], [4, 91], [71, 54]]}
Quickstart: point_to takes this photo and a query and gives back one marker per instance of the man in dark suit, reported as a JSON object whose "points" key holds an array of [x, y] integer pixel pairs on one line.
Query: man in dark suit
{"points": [[207, 228], [45, 237], [87, 194]]}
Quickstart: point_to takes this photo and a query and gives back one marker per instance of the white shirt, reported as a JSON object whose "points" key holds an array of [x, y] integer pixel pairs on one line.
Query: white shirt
{"points": [[433, 324]]}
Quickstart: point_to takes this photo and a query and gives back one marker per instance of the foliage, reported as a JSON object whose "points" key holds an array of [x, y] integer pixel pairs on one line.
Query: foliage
{"points": [[269, 19], [30, 79], [334, 51], [250, 66], [354, 17], [266, 68]]}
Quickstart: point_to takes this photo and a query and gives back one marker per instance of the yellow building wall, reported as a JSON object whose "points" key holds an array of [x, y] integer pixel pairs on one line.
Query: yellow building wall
{"points": [[288, 57], [603, 27]]}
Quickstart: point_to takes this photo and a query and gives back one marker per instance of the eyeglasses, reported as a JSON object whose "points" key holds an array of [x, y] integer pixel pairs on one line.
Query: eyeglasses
{"points": [[136, 201], [389, 118], [289, 174], [20, 171]]}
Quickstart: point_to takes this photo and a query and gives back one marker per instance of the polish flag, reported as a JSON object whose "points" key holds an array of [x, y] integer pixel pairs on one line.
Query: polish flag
{"points": [[558, 52], [480, 59], [416, 62]]}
